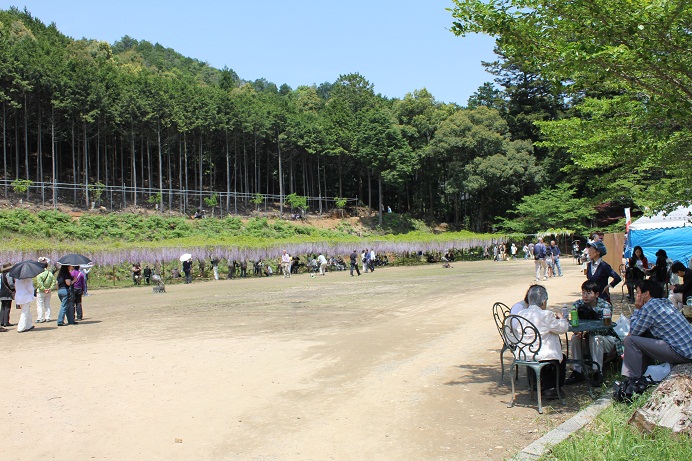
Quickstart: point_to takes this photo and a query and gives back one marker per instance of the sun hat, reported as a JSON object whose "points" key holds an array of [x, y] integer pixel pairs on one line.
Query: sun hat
{"points": [[6, 267], [600, 247]]}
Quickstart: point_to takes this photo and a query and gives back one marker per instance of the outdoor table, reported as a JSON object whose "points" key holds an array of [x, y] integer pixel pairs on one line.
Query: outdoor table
{"points": [[588, 326]]}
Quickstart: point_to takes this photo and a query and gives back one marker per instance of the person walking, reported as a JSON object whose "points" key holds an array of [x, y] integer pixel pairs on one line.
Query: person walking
{"points": [[371, 261], [364, 259], [354, 262], [187, 269], [323, 263], [539, 254], [555, 253], [23, 295], [286, 264], [6, 295], [44, 283]]}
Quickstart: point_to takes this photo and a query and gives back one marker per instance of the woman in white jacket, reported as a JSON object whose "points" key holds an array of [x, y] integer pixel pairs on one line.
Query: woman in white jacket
{"points": [[550, 325]]}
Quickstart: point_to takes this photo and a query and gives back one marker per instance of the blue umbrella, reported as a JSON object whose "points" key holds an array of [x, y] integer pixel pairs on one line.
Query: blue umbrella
{"points": [[26, 270]]}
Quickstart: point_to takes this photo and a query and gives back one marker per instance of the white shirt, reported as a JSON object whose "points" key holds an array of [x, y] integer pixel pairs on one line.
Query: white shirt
{"points": [[322, 259], [24, 291], [285, 258], [550, 329], [518, 307]]}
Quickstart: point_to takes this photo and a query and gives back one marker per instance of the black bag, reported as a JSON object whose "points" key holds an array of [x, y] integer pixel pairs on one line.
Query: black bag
{"points": [[70, 294], [77, 292], [627, 389]]}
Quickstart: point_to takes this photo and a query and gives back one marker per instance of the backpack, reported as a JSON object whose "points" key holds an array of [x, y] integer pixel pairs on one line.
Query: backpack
{"points": [[624, 391]]}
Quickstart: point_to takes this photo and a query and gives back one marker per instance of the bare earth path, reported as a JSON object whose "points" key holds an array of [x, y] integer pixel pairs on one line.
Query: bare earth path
{"points": [[399, 364]]}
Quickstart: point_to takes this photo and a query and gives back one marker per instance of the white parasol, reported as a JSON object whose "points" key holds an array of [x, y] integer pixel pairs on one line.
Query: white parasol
{"points": [[185, 257]]}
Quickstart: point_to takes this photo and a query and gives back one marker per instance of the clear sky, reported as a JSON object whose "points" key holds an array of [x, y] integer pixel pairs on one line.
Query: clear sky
{"points": [[398, 45]]}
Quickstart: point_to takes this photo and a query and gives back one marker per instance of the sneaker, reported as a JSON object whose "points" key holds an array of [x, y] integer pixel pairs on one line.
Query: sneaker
{"points": [[574, 378]]}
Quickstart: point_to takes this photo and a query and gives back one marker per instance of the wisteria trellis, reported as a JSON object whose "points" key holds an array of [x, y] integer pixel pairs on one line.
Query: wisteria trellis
{"points": [[112, 256]]}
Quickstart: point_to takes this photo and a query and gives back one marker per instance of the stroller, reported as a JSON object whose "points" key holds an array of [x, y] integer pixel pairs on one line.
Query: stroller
{"points": [[159, 286]]}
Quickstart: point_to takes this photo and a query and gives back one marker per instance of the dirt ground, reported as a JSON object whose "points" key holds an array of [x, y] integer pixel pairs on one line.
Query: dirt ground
{"points": [[402, 363]]}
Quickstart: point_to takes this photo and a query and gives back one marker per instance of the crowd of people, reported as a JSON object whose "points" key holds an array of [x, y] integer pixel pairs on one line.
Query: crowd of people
{"points": [[658, 330], [70, 282], [286, 265]]}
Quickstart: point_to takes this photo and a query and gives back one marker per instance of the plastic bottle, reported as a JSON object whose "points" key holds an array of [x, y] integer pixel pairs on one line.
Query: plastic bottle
{"points": [[689, 301], [574, 317], [607, 317], [565, 312]]}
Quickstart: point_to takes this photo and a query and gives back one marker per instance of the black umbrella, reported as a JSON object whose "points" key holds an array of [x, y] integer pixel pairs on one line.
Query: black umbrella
{"points": [[26, 270], [74, 260]]}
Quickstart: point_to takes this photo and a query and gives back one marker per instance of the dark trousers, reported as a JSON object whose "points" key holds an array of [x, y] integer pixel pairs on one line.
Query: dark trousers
{"points": [[5, 312], [354, 266], [78, 306]]}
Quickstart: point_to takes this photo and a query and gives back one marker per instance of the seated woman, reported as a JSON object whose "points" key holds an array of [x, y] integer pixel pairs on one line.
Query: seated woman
{"points": [[681, 293], [636, 267], [659, 272]]}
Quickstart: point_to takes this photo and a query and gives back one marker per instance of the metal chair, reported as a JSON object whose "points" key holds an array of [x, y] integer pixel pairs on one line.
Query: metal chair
{"points": [[500, 311], [524, 339]]}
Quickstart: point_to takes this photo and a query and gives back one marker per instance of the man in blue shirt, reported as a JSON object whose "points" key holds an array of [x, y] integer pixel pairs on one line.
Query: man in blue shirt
{"points": [[658, 331]]}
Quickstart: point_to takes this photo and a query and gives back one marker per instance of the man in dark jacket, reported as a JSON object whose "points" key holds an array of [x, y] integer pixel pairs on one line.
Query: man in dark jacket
{"points": [[600, 271], [354, 262], [681, 292]]}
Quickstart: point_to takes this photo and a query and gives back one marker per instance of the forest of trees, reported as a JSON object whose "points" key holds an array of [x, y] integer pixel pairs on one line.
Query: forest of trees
{"points": [[143, 117]]}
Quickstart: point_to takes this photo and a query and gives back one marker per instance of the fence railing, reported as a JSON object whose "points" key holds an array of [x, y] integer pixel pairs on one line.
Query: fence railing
{"points": [[119, 197]]}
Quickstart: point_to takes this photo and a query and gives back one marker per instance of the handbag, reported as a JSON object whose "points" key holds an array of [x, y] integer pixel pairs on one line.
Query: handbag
{"points": [[70, 294]]}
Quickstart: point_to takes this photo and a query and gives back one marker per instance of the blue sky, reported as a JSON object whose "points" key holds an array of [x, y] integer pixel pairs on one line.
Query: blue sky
{"points": [[398, 45]]}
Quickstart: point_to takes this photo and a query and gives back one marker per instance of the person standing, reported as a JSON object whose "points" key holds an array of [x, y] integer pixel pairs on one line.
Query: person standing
{"points": [[371, 261], [539, 254], [323, 263], [600, 271], [555, 252], [513, 249], [286, 264], [64, 280], [23, 295], [525, 249], [354, 262], [78, 286], [85, 270], [215, 266], [44, 283], [243, 268], [136, 273], [187, 269], [6, 295], [146, 272]]}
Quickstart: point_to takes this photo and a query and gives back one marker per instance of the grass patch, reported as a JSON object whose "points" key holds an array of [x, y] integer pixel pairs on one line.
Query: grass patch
{"points": [[610, 438]]}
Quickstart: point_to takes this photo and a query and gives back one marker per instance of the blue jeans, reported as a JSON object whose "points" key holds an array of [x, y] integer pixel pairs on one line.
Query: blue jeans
{"points": [[558, 266], [66, 307]]}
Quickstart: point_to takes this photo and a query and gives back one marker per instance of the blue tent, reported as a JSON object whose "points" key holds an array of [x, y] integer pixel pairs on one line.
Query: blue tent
{"points": [[671, 232]]}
